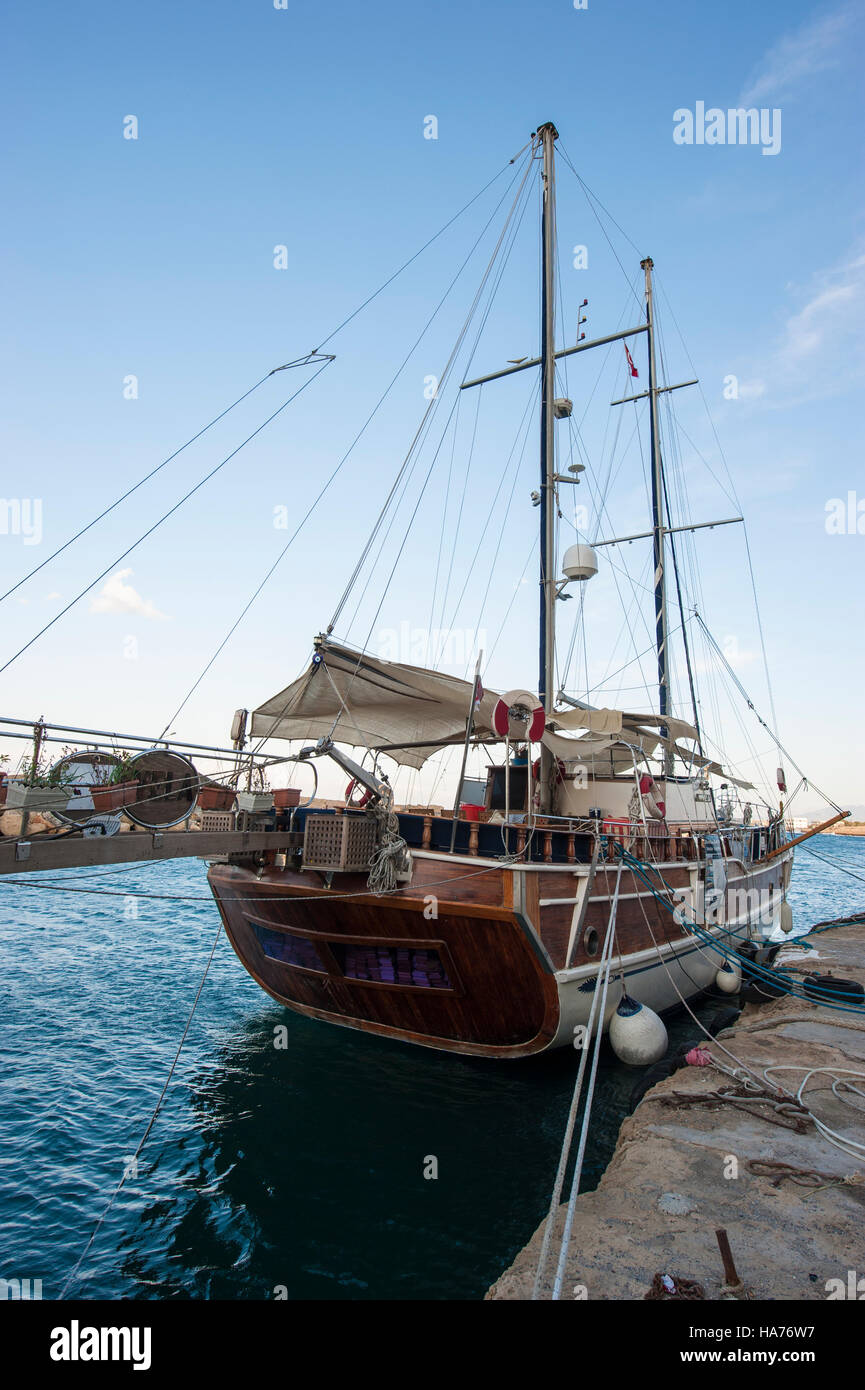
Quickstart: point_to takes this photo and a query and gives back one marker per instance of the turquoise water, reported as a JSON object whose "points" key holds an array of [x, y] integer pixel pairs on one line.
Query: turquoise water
{"points": [[300, 1169]]}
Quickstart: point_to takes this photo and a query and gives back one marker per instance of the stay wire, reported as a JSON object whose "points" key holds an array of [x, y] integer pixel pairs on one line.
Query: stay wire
{"points": [[840, 867], [152, 474], [151, 1122], [750, 703], [370, 298], [163, 518], [434, 400], [426, 244]]}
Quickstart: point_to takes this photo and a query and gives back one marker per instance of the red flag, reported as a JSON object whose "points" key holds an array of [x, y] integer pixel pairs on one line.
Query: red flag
{"points": [[633, 369], [479, 693]]}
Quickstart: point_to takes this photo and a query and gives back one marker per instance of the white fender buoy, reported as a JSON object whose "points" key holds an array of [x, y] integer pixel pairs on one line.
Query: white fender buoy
{"points": [[729, 978], [785, 918], [637, 1035]]}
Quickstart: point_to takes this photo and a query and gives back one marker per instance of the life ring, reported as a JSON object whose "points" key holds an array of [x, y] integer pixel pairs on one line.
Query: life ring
{"points": [[561, 771], [519, 715], [363, 800]]}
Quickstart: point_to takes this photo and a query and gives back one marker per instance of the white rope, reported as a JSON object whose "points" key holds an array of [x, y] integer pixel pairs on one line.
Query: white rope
{"points": [[587, 1112], [390, 857], [851, 1147], [603, 968]]}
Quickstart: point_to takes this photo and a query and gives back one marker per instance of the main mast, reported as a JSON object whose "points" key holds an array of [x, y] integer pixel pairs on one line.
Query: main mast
{"points": [[547, 135], [657, 515]]}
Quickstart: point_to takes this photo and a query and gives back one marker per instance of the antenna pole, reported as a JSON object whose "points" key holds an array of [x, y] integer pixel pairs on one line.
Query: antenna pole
{"points": [[661, 629], [547, 136]]}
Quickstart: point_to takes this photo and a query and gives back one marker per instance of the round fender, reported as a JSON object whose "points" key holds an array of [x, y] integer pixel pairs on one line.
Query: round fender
{"points": [[519, 715]]}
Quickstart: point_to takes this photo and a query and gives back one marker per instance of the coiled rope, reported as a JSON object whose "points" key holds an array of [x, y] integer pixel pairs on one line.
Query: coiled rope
{"points": [[391, 857]]}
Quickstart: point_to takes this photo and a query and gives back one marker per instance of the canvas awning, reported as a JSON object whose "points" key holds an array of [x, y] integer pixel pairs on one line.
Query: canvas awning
{"points": [[615, 721], [411, 712], [360, 700]]}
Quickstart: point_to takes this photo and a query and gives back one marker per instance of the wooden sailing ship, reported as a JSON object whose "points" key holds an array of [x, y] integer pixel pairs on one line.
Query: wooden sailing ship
{"points": [[481, 933]]}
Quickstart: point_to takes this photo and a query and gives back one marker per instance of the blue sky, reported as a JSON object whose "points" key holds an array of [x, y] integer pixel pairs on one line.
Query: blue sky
{"points": [[304, 128]]}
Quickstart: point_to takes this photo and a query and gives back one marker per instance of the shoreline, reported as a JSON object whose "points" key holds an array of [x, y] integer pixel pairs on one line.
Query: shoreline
{"points": [[682, 1168]]}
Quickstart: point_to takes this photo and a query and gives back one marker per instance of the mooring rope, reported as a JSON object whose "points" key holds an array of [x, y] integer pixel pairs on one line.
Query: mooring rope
{"points": [[829, 998], [603, 968], [587, 1110], [131, 1165]]}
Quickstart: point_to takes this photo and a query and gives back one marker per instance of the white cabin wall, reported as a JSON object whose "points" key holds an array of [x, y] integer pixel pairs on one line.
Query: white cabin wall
{"points": [[612, 797]]}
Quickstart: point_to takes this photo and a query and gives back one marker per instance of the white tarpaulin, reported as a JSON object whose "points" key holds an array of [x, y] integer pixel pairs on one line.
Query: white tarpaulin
{"points": [[410, 712], [359, 700]]}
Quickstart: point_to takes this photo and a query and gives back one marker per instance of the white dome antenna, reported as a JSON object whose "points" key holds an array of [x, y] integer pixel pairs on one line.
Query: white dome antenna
{"points": [[580, 562]]}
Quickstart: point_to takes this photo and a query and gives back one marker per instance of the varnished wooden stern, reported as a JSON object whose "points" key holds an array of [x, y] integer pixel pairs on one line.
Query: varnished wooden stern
{"points": [[471, 979]]}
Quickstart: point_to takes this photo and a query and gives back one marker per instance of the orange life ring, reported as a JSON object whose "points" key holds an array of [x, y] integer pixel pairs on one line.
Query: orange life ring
{"points": [[363, 800]]}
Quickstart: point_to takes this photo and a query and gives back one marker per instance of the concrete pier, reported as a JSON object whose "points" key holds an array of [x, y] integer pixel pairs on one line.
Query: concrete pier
{"points": [[682, 1168]]}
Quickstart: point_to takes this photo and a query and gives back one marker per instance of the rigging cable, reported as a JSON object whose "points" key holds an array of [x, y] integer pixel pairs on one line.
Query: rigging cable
{"points": [[269, 374], [746, 697], [135, 487], [745, 530], [131, 1165], [433, 402], [840, 867], [337, 469], [591, 199], [427, 417], [163, 518]]}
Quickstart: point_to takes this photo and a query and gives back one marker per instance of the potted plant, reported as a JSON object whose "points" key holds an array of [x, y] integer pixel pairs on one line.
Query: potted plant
{"points": [[118, 789], [213, 796], [255, 801], [258, 798], [39, 789], [284, 797]]}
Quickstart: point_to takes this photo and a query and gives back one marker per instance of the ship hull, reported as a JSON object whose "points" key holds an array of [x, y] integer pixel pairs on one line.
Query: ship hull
{"points": [[471, 956]]}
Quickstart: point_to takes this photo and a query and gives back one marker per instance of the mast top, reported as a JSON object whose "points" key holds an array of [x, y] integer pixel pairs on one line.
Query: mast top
{"points": [[547, 125]]}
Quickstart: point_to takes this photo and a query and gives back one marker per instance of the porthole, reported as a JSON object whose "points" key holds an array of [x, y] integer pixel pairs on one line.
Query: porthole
{"points": [[591, 941]]}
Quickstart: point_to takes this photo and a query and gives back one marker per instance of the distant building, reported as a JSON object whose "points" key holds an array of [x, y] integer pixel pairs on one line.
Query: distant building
{"points": [[800, 823]]}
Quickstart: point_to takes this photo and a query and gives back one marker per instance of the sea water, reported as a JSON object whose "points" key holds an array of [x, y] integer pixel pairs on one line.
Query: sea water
{"points": [[295, 1171]]}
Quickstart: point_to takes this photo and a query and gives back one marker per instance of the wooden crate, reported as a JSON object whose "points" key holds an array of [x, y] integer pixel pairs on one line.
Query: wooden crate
{"points": [[338, 844]]}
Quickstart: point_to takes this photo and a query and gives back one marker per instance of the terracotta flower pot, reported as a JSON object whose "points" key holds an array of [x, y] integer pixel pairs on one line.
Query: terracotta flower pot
{"points": [[114, 796], [216, 798], [285, 797]]}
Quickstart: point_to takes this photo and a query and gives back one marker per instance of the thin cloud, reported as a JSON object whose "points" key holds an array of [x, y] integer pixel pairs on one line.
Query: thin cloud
{"points": [[819, 351], [813, 48], [119, 597]]}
